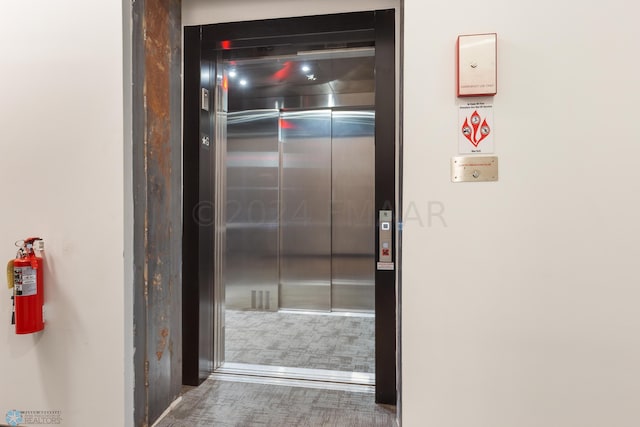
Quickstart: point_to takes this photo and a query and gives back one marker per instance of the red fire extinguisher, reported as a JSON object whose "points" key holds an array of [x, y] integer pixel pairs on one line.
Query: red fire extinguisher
{"points": [[25, 275]]}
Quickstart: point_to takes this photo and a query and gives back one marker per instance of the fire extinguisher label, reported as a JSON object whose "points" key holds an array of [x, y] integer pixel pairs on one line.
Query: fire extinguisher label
{"points": [[25, 281]]}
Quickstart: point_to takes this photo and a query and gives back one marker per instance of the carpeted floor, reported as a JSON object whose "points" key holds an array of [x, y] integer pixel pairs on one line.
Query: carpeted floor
{"points": [[339, 343], [233, 404]]}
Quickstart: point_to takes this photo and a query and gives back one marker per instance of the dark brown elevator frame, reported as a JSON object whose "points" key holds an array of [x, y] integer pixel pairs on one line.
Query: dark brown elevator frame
{"points": [[197, 272]]}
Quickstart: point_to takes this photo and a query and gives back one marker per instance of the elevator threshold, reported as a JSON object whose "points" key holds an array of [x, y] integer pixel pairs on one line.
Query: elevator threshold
{"points": [[345, 313], [360, 382]]}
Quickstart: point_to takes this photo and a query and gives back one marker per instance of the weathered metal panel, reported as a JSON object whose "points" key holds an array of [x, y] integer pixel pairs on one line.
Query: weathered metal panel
{"points": [[175, 90], [139, 212], [157, 205]]}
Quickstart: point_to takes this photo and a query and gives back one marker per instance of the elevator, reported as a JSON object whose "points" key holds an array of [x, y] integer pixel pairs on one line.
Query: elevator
{"points": [[298, 231], [296, 168]]}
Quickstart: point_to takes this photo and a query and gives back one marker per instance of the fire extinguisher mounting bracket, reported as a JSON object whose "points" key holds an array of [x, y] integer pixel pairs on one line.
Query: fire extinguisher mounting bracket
{"points": [[10, 278], [35, 243], [38, 245]]}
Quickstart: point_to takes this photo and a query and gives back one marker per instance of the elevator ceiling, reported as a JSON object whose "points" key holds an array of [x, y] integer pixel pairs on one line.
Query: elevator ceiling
{"points": [[306, 79]]}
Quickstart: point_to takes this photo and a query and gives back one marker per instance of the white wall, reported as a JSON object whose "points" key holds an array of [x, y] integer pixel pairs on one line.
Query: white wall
{"points": [[199, 12], [61, 169], [524, 310]]}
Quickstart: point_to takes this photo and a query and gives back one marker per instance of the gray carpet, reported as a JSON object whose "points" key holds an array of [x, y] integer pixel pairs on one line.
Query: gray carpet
{"points": [[227, 404], [339, 343]]}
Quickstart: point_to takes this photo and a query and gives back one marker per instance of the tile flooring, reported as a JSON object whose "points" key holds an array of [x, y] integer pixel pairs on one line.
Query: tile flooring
{"points": [[218, 403], [300, 340], [297, 340]]}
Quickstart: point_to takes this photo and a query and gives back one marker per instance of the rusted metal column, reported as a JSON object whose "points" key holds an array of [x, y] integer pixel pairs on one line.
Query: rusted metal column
{"points": [[157, 206]]}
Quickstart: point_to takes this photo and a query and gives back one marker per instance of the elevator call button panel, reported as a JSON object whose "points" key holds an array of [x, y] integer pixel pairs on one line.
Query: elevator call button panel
{"points": [[385, 251]]}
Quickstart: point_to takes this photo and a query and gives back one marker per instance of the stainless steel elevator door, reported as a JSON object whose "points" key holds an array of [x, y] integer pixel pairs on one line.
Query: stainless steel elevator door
{"points": [[305, 210], [252, 210], [300, 210], [352, 222]]}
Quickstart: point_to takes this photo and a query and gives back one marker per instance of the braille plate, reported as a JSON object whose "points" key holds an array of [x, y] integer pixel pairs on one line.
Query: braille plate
{"points": [[474, 168]]}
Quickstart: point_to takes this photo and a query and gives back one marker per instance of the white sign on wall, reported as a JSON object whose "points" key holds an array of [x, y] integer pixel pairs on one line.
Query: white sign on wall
{"points": [[477, 75], [475, 128]]}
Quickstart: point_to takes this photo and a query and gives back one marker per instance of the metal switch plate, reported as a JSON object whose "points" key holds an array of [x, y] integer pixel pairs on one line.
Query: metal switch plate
{"points": [[205, 100], [474, 168]]}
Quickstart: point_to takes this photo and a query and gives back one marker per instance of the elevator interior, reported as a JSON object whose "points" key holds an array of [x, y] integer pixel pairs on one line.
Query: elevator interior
{"points": [[297, 125]]}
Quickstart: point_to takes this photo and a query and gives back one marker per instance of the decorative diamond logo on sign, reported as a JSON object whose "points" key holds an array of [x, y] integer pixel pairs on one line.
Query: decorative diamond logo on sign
{"points": [[475, 133]]}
